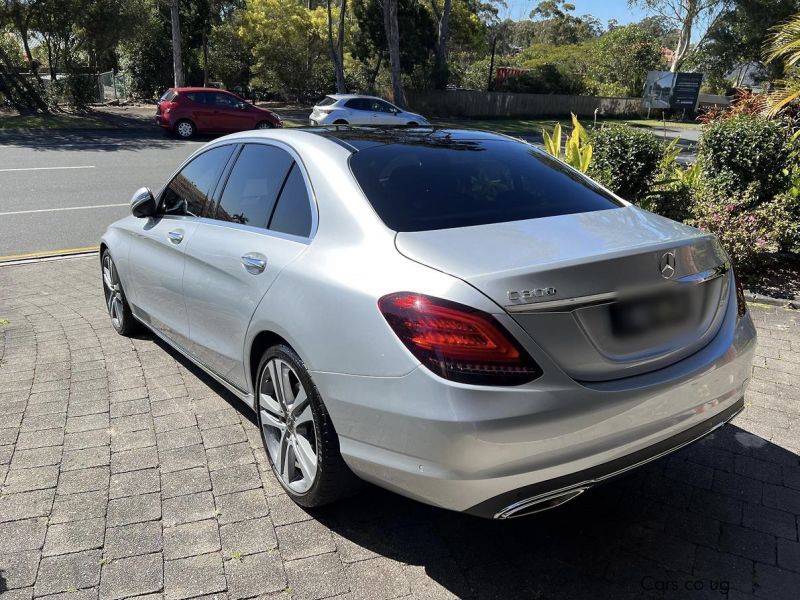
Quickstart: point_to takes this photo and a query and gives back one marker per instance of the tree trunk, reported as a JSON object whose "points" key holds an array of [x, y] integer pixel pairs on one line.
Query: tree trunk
{"points": [[490, 82], [440, 70], [205, 56], [337, 49], [177, 51], [685, 36], [374, 75], [393, 41]]}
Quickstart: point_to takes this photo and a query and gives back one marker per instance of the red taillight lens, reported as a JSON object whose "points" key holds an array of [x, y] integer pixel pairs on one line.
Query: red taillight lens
{"points": [[458, 342], [741, 303]]}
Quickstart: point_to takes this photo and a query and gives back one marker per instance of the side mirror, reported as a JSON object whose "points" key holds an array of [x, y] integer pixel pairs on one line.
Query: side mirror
{"points": [[143, 203]]}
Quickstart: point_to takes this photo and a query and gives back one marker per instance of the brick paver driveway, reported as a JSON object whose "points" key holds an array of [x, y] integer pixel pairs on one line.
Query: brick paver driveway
{"points": [[126, 472]]}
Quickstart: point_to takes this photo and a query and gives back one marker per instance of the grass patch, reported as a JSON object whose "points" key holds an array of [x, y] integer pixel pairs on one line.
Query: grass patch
{"points": [[51, 121], [528, 127]]}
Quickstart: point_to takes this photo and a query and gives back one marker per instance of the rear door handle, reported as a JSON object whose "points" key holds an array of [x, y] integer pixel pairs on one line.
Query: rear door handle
{"points": [[254, 263], [176, 237]]}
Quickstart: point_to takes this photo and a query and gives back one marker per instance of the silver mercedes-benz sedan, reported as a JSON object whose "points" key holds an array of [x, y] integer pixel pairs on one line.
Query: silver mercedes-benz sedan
{"points": [[452, 315]]}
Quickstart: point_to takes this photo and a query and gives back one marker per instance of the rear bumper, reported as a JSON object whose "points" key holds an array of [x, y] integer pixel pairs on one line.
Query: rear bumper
{"points": [[479, 449]]}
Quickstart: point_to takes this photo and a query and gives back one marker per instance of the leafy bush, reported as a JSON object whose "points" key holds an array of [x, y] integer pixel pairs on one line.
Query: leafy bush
{"points": [[542, 79], [751, 231], [577, 149], [77, 91], [625, 159], [746, 151]]}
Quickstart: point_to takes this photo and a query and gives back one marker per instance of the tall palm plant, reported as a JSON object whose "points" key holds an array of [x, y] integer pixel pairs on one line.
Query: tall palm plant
{"points": [[783, 44]]}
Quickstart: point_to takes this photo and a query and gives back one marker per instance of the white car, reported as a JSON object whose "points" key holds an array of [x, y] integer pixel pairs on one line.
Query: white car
{"points": [[351, 109]]}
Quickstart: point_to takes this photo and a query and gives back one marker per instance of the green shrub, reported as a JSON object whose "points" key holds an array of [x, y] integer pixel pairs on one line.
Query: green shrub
{"points": [[625, 159], [77, 91], [746, 153], [750, 229]]}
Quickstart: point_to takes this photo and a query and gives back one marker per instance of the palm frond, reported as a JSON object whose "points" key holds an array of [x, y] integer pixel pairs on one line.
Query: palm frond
{"points": [[784, 93], [784, 42]]}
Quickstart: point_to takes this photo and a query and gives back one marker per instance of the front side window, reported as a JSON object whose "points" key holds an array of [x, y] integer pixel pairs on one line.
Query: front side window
{"points": [[253, 185], [225, 100], [293, 211], [380, 106], [187, 193], [459, 183]]}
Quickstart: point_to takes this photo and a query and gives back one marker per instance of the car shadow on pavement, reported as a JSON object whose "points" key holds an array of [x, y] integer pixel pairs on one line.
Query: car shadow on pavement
{"points": [[716, 519], [92, 140]]}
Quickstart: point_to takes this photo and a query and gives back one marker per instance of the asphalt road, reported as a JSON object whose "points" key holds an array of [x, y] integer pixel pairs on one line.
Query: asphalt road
{"points": [[59, 190]]}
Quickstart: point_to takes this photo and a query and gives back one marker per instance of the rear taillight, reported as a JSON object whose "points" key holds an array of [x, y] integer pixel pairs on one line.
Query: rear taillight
{"points": [[741, 303], [458, 342]]}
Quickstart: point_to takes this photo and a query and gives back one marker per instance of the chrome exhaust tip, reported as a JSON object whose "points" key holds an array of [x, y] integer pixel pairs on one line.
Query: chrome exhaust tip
{"points": [[537, 504]]}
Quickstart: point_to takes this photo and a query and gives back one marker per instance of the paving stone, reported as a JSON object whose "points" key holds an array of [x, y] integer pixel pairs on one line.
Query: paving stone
{"points": [[218, 418], [304, 539], [235, 479], [87, 439], [84, 594], [132, 540], [75, 507], [776, 583], [9, 436], [789, 555], [74, 460], [255, 575], [40, 439], [84, 480], [74, 536], [26, 480], [67, 572], [194, 576], [229, 456], [134, 509], [248, 537], [18, 570], [376, 579], [191, 539], [37, 457], [223, 436], [241, 506], [712, 565], [28, 534], [751, 544], [87, 423], [185, 509], [737, 486], [92, 407], [132, 576], [134, 460], [179, 438], [40, 422], [769, 520], [782, 498], [316, 577], [175, 422], [15, 507], [133, 483], [283, 511], [129, 407], [190, 481], [182, 458]]}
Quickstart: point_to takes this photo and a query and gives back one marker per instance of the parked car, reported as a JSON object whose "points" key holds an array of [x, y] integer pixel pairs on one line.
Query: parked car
{"points": [[186, 111], [350, 109], [452, 315]]}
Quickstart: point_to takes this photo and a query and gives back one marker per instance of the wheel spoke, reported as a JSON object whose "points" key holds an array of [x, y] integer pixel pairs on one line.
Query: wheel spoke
{"points": [[305, 416], [107, 279], [267, 418], [271, 405], [110, 302], [286, 385], [287, 460], [116, 310], [306, 457], [301, 402], [274, 374]]}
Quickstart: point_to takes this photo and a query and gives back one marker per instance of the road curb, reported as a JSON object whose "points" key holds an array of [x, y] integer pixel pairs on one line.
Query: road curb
{"points": [[34, 257], [769, 300]]}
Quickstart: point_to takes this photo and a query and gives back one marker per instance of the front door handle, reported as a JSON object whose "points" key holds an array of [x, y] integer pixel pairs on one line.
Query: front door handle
{"points": [[176, 237], [254, 263]]}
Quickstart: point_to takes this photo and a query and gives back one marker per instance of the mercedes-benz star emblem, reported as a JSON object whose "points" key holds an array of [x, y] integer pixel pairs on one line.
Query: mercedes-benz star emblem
{"points": [[667, 265]]}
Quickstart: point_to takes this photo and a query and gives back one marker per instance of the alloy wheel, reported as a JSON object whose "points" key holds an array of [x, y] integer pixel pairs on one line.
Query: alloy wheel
{"points": [[288, 425], [185, 129], [263, 125], [113, 292]]}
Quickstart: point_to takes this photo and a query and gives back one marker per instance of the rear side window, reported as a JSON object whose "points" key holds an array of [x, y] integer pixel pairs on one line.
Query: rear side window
{"points": [[168, 96], [293, 212], [253, 185], [447, 184], [358, 104], [199, 97], [187, 193], [326, 101]]}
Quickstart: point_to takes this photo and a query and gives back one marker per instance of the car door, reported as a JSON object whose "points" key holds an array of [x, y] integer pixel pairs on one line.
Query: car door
{"points": [[387, 114], [156, 259], [229, 116], [359, 111], [202, 110], [263, 221]]}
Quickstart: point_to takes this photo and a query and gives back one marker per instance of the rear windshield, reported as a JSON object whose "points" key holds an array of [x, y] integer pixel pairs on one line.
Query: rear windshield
{"points": [[464, 183], [168, 96], [326, 101]]}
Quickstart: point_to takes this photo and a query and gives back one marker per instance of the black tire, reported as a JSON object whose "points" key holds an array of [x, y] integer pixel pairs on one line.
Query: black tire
{"points": [[333, 480], [184, 129], [264, 125], [413, 124], [340, 122], [122, 319]]}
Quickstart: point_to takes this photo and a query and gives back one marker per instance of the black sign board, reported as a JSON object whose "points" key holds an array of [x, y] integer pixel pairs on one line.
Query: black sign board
{"points": [[686, 90]]}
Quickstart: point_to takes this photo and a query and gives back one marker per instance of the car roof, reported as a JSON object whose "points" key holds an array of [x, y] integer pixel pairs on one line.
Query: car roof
{"points": [[348, 96], [355, 139], [200, 89]]}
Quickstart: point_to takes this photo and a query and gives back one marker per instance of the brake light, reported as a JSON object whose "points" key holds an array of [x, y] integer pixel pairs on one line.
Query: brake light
{"points": [[457, 342], [741, 302]]}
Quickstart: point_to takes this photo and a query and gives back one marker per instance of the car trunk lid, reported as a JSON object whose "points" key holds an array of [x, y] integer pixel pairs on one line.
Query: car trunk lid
{"points": [[588, 287]]}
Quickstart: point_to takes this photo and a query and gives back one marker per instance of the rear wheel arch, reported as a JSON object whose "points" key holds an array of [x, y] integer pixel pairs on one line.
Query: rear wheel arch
{"points": [[340, 122], [263, 341]]}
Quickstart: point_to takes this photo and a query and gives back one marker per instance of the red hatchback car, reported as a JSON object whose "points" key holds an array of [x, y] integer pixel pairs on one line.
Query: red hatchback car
{"points": [[186, 111]]}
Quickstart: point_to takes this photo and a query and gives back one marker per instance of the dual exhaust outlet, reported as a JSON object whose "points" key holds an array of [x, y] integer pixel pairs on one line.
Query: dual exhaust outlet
{"points": [[539, 503]]}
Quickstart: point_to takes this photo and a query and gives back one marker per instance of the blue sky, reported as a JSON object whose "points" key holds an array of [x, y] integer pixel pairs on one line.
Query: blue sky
{"points": [[602, 9]]}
